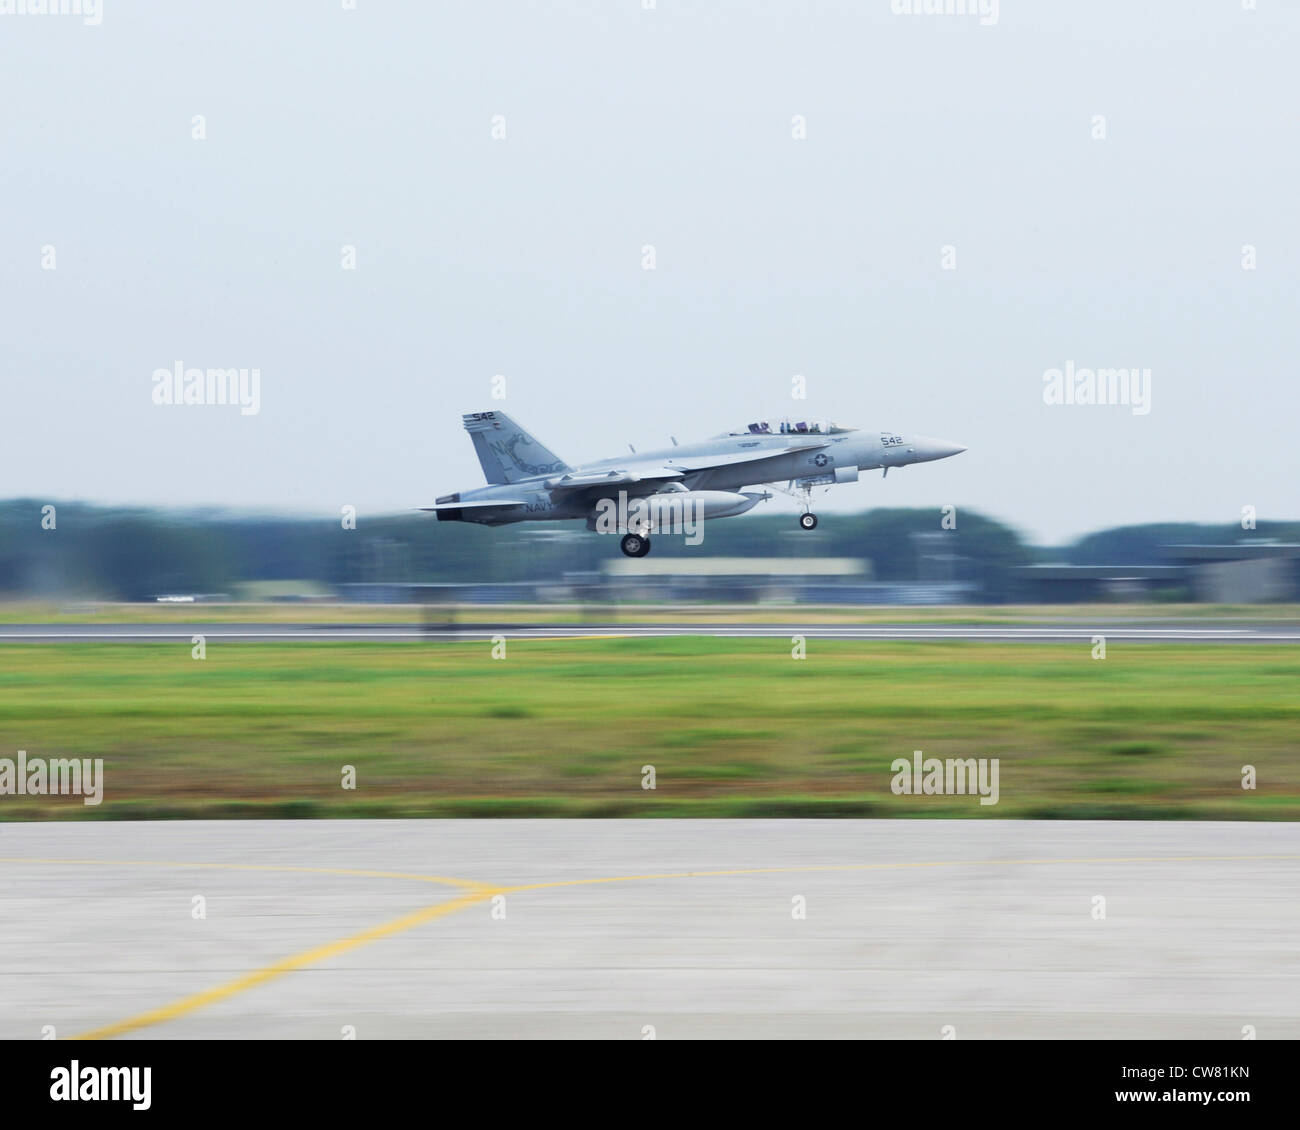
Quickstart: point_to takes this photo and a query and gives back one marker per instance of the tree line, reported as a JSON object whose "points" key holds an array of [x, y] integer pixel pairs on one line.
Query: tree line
{"points": [[132, 553]]}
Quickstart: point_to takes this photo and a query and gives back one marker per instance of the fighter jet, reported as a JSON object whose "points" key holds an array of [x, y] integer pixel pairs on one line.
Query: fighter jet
{"points": [[655, 491]]}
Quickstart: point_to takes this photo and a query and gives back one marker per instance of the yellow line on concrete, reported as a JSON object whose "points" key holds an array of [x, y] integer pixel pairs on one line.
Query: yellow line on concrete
{"points": [[481, 892], [287, 965], [897, 867]]}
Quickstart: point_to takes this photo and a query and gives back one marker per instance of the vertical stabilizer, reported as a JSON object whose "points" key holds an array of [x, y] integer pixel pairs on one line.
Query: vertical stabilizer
{"points": [[507, 452]]}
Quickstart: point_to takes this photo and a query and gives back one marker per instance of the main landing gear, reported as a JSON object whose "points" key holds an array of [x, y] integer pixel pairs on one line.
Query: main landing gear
{"points": [[808, 521], [635, 545]]}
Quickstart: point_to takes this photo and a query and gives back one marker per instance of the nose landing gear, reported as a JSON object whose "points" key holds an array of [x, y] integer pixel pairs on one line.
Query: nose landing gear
{"points": [[803, 496]]}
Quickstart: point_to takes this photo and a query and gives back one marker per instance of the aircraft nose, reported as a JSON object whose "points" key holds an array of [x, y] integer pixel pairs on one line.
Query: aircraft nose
{"points": [[929, 449]]}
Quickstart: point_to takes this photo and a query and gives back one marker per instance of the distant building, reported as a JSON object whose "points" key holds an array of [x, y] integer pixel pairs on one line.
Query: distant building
{"points": [[1247, 572], [1068, 584], [708, 580], [771, 580], [1253, 572]]}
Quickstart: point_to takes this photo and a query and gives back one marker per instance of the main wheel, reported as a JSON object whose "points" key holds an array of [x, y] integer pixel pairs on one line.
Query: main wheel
{"points": [[634, 545], [808, 521]]}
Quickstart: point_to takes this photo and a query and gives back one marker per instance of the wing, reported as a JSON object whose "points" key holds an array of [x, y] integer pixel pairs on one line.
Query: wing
{"points": [[674, 469], [471, 505], [585, 480], [704, 462]]}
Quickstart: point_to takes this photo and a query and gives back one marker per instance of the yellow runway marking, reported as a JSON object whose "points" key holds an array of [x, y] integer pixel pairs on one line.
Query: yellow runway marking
{"points": [[479, 892], [288, 965], [898, 867]]}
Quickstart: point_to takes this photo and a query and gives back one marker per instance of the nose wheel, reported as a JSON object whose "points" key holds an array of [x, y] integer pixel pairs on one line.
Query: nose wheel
{"points": [[635, 545], [803, 496]]}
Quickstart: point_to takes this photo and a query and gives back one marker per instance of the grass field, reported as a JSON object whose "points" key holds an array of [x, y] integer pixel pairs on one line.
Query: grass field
{"points": [[733, 727]]}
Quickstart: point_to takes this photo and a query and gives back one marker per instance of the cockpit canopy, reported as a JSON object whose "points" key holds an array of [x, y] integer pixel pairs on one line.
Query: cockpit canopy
{"points": [[787, 426]]}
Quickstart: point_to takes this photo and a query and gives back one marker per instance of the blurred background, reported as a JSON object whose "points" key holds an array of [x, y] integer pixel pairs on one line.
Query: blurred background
{"points": [[883, 556]]}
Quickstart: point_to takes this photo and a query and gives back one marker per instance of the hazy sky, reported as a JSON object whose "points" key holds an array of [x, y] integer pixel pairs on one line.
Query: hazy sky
{"points": [[774, 256]]}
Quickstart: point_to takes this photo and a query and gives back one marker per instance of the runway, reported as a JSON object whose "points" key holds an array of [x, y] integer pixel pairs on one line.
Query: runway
{"points": [[1163, 632], [667, 928]]}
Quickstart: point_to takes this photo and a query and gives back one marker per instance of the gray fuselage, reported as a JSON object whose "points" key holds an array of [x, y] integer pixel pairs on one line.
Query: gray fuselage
{"points": [[820, 460]]}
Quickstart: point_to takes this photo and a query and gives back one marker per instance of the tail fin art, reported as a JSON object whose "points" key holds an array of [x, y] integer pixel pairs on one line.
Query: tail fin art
{"points": [[506, 451]]}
